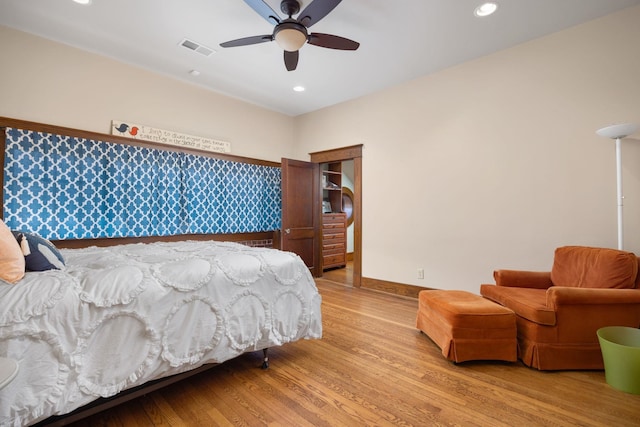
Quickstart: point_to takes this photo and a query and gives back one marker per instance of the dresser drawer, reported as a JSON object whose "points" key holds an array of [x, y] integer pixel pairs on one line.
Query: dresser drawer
{"points": [[333, 237], [333, 226], [333, 248], [334, 219], [329, 261]]}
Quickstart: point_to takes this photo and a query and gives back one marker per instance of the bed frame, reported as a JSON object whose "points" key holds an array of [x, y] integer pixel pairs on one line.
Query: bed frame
{"points": [[269, 239], [102, 404]]}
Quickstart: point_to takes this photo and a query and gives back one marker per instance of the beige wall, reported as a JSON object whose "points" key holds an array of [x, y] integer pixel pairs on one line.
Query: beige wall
{"points": [[495, 162], [52, 83], [490, 164]]}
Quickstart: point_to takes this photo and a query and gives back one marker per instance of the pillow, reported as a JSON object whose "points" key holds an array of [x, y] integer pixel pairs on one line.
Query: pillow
{"points": [[11, 259], [39, 254], [586, 267]]}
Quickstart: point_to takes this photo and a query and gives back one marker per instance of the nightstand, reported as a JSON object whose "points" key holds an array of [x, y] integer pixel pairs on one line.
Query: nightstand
{"points": [[8, 370]]}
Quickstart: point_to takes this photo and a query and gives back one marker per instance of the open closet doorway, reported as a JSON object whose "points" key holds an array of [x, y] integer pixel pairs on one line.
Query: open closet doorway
{"points": [[347, 163]]}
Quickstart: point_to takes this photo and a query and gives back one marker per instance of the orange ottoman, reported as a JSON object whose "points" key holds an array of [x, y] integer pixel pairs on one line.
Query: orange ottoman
{"points": [[467, 326]]}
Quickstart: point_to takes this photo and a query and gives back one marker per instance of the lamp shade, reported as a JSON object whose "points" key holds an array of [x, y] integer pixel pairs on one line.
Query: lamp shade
{"points": [[618, 131], [290, 36]]}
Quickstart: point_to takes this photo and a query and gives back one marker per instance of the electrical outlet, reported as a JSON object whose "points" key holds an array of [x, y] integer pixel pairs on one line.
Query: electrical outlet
{"points": [[421, 273]]}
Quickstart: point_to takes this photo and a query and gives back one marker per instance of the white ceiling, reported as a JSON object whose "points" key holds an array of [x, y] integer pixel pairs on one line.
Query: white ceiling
{"points": [[400, 40]]}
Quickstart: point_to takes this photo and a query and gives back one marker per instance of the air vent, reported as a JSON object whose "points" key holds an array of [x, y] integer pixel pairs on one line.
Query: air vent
{"points": [[196, 47]]}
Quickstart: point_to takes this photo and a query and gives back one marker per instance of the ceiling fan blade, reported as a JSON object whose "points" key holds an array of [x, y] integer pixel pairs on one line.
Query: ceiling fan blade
{"points": [[248, 41], [291, 60], [317, 10], [332, 42], [264, 10]]}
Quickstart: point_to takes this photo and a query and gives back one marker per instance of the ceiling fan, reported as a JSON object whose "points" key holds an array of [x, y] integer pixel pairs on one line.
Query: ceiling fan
{"points": [[291, 33]]}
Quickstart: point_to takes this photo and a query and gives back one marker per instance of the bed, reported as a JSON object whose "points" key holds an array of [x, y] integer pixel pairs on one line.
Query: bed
{"points": [[170, 266], [118, 317]]}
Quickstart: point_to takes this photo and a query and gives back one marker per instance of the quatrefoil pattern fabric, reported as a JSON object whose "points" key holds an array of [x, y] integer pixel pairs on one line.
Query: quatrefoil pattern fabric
{"points": [[64, 187]]}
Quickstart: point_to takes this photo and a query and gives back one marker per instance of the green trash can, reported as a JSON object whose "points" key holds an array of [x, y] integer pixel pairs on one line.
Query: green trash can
{"points": [[620, 347]]}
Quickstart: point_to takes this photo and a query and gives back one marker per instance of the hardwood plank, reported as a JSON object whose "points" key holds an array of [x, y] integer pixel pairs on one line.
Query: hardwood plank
{"points": [[166, 410], [372, 367]]}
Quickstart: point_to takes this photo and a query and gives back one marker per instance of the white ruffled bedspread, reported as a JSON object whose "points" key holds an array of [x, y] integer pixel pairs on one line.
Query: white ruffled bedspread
{"points": [[121, 316]]}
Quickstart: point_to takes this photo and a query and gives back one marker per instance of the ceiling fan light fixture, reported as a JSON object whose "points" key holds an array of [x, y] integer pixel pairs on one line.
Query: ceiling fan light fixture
{"points": [[290, 36]]}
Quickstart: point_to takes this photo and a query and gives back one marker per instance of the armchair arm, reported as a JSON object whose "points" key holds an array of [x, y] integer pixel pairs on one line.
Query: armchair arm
{"points": [[523, 279], [560, 295]]}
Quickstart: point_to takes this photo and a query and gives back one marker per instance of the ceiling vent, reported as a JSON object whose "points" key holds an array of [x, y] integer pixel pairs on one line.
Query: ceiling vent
{"points": [[196, 47]]}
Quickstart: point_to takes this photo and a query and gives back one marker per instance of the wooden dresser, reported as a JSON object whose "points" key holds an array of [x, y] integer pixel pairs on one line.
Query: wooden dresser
{"points": [[334, 240]]}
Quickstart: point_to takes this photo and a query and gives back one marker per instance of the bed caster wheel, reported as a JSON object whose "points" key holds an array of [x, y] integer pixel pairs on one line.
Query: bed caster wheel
{"points": [[265, 364], [265, 360]]}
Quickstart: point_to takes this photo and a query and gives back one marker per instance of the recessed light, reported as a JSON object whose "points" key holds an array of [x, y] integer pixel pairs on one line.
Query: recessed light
{"points": [[83, 1], [298, 88], [194, 73], [485, 9]]}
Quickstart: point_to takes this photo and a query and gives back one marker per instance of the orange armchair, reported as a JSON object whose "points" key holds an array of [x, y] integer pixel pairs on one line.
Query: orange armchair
{"points": [[559, 312]]}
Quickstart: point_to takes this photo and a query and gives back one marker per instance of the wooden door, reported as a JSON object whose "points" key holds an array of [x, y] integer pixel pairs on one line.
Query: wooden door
{"points": [[301, 212]]}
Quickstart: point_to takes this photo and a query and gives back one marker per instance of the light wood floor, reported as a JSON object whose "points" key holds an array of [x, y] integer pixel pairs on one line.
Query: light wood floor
{"points": [[342, 275], [372, 367]]}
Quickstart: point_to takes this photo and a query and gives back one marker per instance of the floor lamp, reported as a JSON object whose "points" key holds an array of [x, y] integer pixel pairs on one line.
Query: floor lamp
{"points": [[618, 132]]}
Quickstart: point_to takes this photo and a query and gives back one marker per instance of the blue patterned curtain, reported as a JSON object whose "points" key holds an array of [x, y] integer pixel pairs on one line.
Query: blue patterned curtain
{"points": [[65, 187]]}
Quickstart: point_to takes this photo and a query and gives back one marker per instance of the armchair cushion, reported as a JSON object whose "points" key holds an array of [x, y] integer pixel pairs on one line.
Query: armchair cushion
{"points": [[559, 296], [585, 267], [523, 279], [530, 304]]}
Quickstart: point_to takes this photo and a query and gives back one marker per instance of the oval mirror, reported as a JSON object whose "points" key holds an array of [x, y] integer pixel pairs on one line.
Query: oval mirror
{"points": [[347, 204]]}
